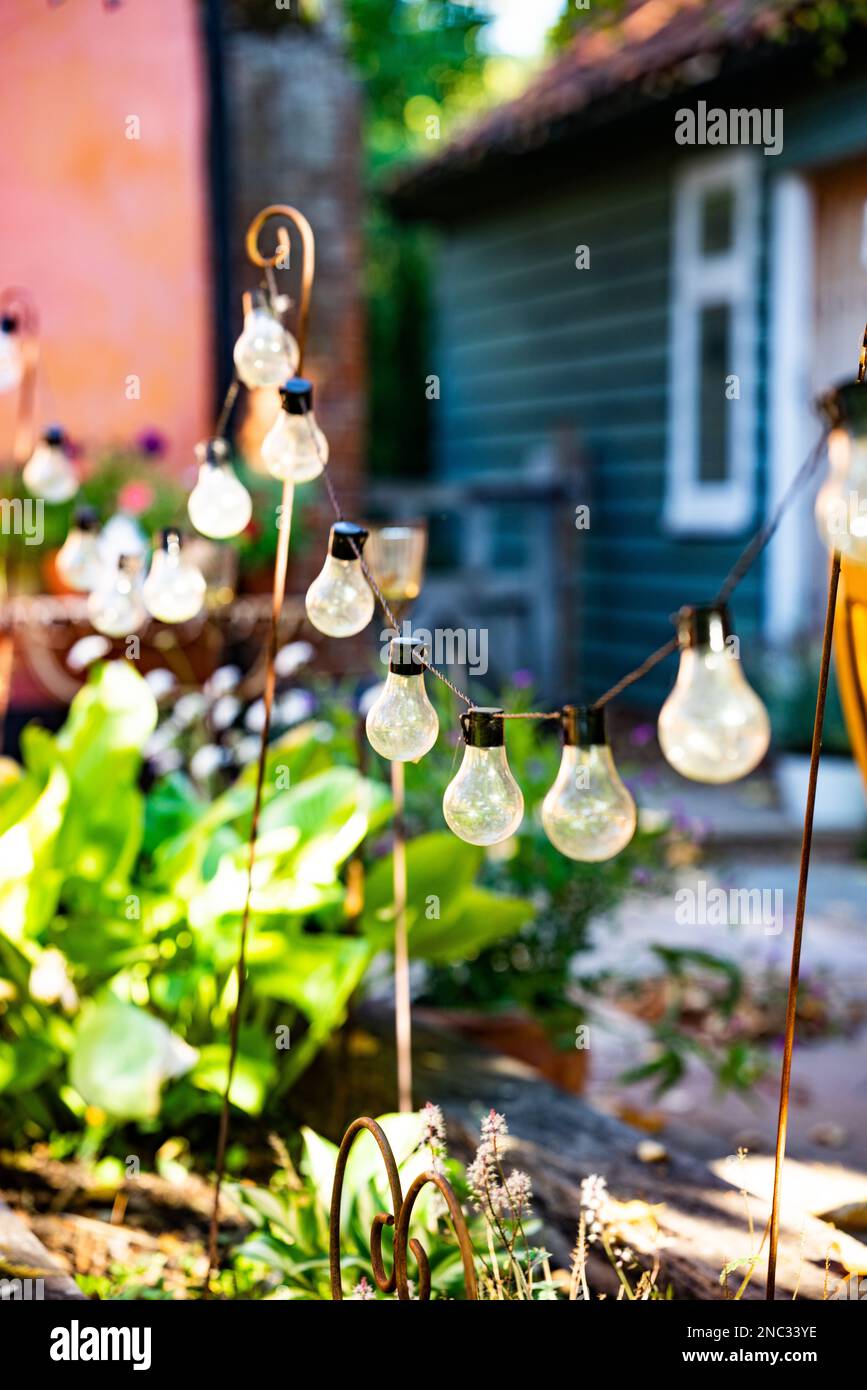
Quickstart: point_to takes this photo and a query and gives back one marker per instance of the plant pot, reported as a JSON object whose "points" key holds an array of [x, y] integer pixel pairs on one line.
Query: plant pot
{"points": [[519, 1036], [840, 797]]}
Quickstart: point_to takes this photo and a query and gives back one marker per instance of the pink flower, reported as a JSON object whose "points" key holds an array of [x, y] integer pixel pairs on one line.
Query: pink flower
{"points": [[135, 498]]}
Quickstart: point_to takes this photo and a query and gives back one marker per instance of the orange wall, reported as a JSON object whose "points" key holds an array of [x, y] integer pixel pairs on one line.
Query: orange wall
{"points": [[109, 232]]}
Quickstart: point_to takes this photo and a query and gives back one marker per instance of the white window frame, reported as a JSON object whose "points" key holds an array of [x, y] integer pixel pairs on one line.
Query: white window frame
{"points": [[700, 280]]}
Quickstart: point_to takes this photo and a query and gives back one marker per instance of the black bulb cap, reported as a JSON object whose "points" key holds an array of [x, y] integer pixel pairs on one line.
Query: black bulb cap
{"points": [[846, 407], [296, 395], [9, 323], [86, 519], [484, 727], [697, 623], [216, 452], [584, 726], [407, 656], [54, 435], [346, 540]]}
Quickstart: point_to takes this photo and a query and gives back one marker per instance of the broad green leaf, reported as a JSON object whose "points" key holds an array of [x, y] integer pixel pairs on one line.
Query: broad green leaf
{"points": [[473, 920], [30, 882], [253, 1075], [121, 1058]]}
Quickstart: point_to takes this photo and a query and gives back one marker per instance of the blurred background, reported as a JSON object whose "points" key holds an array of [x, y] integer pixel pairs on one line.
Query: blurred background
{"points": [[527, 292], [585, 357]]}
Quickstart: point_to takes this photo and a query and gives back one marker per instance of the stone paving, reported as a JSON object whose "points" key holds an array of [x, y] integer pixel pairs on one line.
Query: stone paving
{"points": [[829, 1097]]}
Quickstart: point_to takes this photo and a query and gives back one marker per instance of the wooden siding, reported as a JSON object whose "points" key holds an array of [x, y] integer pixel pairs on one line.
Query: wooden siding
{"points": [[528, 346]]}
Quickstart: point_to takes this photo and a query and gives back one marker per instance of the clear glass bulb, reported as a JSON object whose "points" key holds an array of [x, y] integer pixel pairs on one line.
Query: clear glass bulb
{"points": [[174, 591], [483, 804], [11, 368], [49, 473], [295, 446], [340, 601], [79, 561], [115, 605], [588, 814], [265, 353], [841, 503], [402, 723], [713, 727], [219, 505]]}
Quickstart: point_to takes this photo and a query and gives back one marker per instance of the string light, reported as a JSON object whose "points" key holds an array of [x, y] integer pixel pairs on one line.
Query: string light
{"points": [[11, 366], [115, 606], [49, 473], [340, 601], [483, 804], [295, 447], [219, 505], [79, 561], [402, 723], [588, 814], [174, 591], [713, 727], [265, 353], [841, 504]]}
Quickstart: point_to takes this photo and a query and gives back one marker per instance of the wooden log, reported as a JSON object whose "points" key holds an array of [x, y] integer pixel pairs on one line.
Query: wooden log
{"points": [[702, 1221], [23, 1257]]}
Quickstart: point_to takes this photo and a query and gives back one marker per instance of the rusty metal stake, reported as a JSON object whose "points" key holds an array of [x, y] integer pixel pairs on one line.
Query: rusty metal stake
{"points": [[806, 845], [402, 1211], [279, 593]]}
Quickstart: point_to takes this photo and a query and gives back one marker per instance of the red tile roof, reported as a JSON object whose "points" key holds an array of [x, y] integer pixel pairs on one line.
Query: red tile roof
{"points": [[655, 39]]}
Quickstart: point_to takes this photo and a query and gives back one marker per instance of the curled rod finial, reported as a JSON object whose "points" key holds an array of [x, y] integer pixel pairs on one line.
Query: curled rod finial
{"points": [[402, 1241], [384, 1282], [280, 259], [400, 1220]]}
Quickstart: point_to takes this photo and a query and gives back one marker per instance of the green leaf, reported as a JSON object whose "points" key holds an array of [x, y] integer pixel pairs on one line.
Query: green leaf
{"points": [[474, 920], [29, 880], [448, 918], [121, 1058], [252, 1078]]}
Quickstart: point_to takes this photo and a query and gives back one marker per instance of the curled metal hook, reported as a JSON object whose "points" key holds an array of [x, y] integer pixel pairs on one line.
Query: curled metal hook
{"points": [[280, 259], [400, 1220]]}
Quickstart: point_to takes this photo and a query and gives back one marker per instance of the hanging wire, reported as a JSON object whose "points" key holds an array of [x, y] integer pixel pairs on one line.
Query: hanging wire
{"points": [[741, 567], [227, 407]]}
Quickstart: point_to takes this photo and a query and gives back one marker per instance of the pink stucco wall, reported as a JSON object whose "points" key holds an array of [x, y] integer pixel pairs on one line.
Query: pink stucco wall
{"points": [[109, 232]]}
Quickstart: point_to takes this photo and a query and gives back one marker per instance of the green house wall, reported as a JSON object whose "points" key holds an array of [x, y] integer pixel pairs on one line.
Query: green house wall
{"points": [[527, 344]]}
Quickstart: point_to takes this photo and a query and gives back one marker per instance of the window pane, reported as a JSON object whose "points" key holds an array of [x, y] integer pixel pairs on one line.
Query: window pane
{"points": [[715, 333], [717, 221]]}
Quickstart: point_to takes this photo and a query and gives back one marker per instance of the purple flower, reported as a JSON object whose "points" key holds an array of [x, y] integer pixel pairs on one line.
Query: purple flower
{"points": [[151, 442], [523, 679], [642, 734]]}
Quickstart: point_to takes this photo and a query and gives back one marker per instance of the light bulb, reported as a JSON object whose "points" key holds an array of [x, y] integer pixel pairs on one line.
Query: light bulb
{"points": [[295, 446], [11, 368], [588, 814], [174, 590], [49, 472], [713, 727], [115, 606], [402, 723], [219, 505], [266, 353], [79, 561], [483, 804], [340, 601], [841, 503]]}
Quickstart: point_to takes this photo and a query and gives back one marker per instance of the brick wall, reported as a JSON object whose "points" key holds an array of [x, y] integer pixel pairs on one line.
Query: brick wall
{"points": [[294, 121]]}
